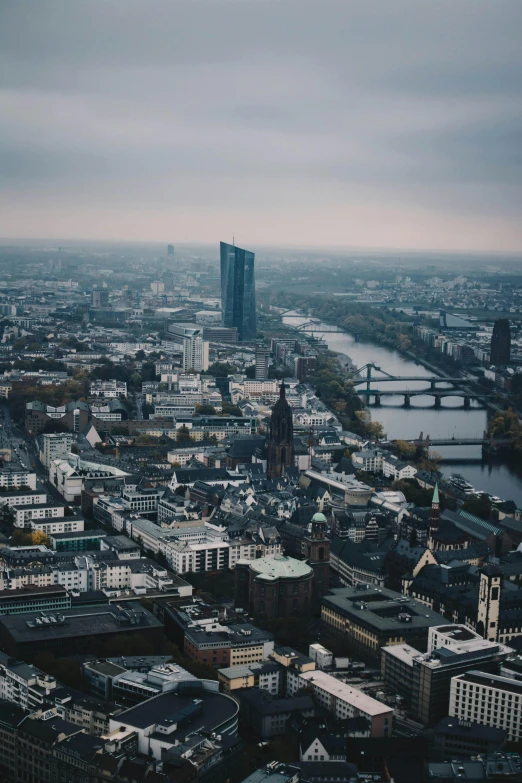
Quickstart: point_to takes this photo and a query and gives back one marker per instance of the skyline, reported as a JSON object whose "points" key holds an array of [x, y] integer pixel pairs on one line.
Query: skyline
{"points": [[343, 125]]}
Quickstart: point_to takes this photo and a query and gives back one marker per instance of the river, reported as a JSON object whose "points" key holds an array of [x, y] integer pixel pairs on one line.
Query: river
{"points": [[450, 420]]}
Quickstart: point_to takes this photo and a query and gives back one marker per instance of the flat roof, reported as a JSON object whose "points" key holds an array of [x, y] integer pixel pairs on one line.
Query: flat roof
{"points": [[216, 709], [379, 608], [104, 619], [491, 681], [77, 534], [274, 567], [402, 652], [347, 693]]}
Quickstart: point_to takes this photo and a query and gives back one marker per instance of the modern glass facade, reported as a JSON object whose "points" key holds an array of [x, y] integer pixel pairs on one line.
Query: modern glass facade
{"points": [[238, 290]]}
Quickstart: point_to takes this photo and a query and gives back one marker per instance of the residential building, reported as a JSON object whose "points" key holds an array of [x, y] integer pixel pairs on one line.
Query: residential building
{"points": [[369, 460], [262, 362], [108, 389], [265, 675], [54, 446], [345, 701], [195, 354], [222, 645], [12, 476]]}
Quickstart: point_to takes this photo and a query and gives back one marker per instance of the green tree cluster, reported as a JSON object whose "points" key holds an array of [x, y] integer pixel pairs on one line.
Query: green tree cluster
{"points": [[507, 425]]}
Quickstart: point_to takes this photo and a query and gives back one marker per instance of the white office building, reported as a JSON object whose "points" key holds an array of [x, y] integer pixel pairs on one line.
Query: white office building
{"points": [[488, 699]]}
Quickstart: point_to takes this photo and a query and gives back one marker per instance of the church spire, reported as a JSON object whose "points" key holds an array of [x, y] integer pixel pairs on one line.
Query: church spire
{"points": [[282, 392], [434, 515]]}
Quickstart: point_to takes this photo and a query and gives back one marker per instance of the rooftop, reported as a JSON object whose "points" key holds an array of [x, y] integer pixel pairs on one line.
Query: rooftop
{"points": [[33, 626], [215, 710], [364, 703], [381, 609], [275, 567]]}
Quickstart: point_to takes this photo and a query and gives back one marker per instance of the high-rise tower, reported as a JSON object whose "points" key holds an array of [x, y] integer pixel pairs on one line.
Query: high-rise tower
{"points": [[281, 440], [501, 343], [238, 290]]}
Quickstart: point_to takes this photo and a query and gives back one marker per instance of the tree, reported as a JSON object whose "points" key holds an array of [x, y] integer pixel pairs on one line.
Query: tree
{"points": [[183, 435], [375, 429], [221, 369], [38, 538], [404, 450], [430, 463], [479, 506], [230, 410], [205, 410]]}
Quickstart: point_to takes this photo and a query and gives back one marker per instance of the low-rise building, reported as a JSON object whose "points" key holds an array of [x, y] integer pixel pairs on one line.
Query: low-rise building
{"points": [[163, 722], [75, 631], [265, 675], [228, 645], [269, 715], [345, 701], [12, 476]]}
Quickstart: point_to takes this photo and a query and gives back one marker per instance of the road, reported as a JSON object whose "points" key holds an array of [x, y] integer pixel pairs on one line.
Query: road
{"points": [[138, 396]]}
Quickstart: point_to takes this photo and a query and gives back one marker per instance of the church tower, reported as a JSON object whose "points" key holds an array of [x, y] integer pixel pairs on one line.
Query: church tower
{"points": [[281, 439], [434, 516], [317, 548], [490, 593]]}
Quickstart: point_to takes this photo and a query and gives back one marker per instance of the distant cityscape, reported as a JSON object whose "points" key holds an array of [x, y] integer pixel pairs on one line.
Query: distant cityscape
{"points": [[215, 565]]}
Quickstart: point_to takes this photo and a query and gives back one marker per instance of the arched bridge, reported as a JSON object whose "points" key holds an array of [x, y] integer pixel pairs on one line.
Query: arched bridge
{"points": [[433, 389]]}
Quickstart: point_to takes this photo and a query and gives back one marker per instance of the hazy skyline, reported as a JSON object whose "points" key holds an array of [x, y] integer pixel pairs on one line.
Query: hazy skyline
{"points": [[376, 123]]}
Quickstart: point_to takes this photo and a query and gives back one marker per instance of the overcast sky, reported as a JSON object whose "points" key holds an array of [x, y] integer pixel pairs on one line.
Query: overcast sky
{"points": [[370, 123]]}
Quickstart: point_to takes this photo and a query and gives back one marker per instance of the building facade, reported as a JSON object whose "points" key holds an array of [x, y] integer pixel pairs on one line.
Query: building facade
{"points": [[238, 294]]}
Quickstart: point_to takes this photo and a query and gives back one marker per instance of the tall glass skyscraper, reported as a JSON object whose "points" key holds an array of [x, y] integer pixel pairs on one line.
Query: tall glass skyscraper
{"points": [[238, 290]]}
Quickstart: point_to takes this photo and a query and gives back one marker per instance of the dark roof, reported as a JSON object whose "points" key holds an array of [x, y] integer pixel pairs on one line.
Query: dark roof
{"points": [[366, 554], [10, 714], [216, 709], [190, 475], [318, 771], [243, 448], [266, 704], [23, 628], [452, 727]]}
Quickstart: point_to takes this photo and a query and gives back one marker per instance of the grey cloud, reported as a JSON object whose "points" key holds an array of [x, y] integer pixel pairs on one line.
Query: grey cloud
{"points": [[283, 104]]}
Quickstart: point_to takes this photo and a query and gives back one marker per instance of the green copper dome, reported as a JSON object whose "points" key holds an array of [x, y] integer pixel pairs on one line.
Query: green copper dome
{"points": [[318, 517]]}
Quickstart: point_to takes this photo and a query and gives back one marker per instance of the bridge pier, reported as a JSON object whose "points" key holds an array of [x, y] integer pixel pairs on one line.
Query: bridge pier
{"points": [[467, 402], [377, 400], [438, 401], [407, 400]]}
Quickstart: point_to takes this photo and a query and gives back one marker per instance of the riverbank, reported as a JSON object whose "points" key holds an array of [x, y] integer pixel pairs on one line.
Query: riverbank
{"points": [[451, 420]]}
